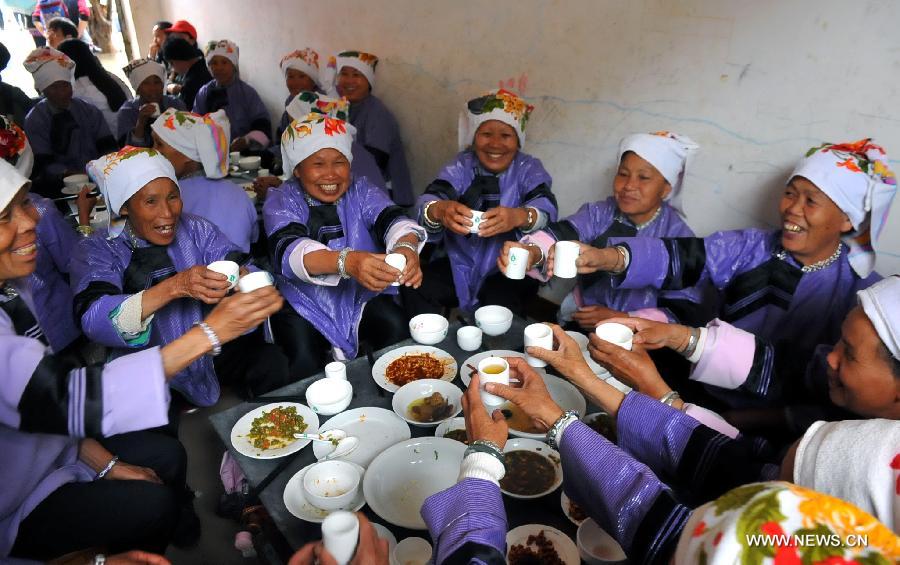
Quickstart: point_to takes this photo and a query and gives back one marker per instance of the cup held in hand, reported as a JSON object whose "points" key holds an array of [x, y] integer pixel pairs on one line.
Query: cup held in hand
{"points": [[397, 261], [538, 335], [564, 256], [493, 370], [255, 281], [517, 263], [228, 268], [615, 333], [476, 221]]}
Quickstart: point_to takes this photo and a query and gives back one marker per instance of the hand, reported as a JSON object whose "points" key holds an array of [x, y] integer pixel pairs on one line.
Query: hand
{"points": [[501, 220], [585, 251], [593, 259], [534, 254], [634, 368], [532, 397], [370, 270], [655, 335], [240, 144], [479, 424], [452, 215], [146, 112], [85, 204], [173, 88], [370, 549], [261, 185], [200, 283], [589, 316], [566, 358], [122, 471], [137, 558], [412, 272], [237, 314]]}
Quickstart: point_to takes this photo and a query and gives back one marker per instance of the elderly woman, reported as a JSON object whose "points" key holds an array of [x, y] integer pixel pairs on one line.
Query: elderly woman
{"points": [[144, 281], [148, 78], [63, 492], [646, 202], [197, 147], [328, 230], [251, 126], [65, 132], [95, 84], [494, 176], [375, 125]]}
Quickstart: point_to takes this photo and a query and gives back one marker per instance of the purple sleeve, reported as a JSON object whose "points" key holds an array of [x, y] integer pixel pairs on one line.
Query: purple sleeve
{"points": [[649, 263], [469, 511], [375, 203], [592, 220], [55, 235], [200, 99], [94, 264], [285, 226], [37, 128], [126, 119], [652, 432], [535, 188]]}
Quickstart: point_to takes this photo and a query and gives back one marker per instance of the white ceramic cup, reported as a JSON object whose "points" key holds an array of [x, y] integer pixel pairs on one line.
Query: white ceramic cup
{"points": [[340, 534], [517, 263], [156, 109], [336, 370], [234, 157], [255, 281], [476, 221], [492, 400], [565, 253], [469, 338], [228, 268], [397, 261], [262, 172], [538, 335], [615, 333]]}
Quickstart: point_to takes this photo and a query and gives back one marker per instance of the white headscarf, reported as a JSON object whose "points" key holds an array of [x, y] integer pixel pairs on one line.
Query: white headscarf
{"points": [[313, 133], [881, 303], [307, 103], [857, 178], [47, 65], [501, 105], [14, 147], [304, 60], [199, 138], [359, 60], [11, 182], [223, 48], [670, 153], [139, 70], [855, 460]]}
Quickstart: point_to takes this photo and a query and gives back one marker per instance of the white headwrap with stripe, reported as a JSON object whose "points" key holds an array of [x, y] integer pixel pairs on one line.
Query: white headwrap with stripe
{"points": [[199, 138], [670, 153]]}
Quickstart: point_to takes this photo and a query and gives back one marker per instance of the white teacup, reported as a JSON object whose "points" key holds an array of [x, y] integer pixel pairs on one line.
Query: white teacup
{"points": [[255, 281], [228, 268], [156, 109], [336, 370], [469, 338], [340, 534], [615, 333], [476, 221], [565, 253], [501, 376], [538, 335], [397, 261], [517, 263], [234, 157]]}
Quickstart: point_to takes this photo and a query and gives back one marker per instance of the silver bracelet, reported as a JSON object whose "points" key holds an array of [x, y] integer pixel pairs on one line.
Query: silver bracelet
{"points": [[486, 446], [693, 340], [669, 398], [109, 466], [212, 337], [554, 430], [405, 245], [342, 263], [539, 261], [430, 224]]}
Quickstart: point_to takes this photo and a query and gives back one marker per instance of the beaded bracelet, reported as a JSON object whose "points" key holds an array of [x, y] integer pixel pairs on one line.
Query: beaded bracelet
{"points": [[485, 446], [405, 245], [212, 337], [109, 466], [554, 430]]}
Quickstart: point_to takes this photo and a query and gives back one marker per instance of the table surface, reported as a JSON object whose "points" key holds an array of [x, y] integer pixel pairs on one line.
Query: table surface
{"points": [[545, 510]]}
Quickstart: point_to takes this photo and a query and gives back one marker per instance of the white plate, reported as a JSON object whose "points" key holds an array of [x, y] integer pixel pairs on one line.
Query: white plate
{"points": [[242, 428], [542, 449], [458, 423], [422, 388], [71, 190], [563, 544], [381, 365], [464, 370], [376, 428], [296, 503], [564, 394], [400, 479], [564, 501], [385, 534]]}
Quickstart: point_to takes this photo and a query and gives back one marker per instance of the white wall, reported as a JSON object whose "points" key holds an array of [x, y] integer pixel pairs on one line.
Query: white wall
{"points": [[755, 83]]}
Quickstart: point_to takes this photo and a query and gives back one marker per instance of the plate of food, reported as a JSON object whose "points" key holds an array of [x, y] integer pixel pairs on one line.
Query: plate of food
{"points": [[427, 402], [454, 428], [297, 504], [532, 469], [573, 511], [602, 423], [376, 428], [411, 363], [536, 543], [268, 431]]}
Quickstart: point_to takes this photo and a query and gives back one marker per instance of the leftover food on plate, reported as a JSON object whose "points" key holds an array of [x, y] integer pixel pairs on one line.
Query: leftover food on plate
{"points": [[458, 435], [410, 368], [527, 473], [537, 550], [519, 420], [432, 408], [276, 428], [604, 425]]}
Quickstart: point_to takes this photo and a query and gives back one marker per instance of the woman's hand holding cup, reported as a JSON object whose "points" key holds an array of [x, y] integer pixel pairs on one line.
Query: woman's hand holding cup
{"points": [[453, 215], [239, 313], [370, 270], [532, 397], [479, 424]]}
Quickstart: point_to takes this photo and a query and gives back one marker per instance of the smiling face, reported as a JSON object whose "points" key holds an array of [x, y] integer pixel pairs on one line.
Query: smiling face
{"points": [[353, 84], [860, 371], [298, 81], [495, 145], [324, 175], [222, 70], [59, 94], [639, 189], [151, 90], [18, 237], [812, 223], [154, 210]]}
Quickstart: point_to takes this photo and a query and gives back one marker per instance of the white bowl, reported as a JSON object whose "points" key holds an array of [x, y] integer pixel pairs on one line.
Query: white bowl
{"points": [[494, 320], [412, 551], [75, 181], [428, 329], [329, 396], [423, 388], [249, 163], [542, 449], [596, 546], [457, 423], [331, 485]]}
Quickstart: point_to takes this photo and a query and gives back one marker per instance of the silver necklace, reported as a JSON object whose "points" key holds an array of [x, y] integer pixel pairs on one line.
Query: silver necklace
{"points": [[625, 219], [818, 265]]}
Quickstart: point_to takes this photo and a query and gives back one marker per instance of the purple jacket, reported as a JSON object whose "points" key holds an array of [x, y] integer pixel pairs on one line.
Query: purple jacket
{"points": [[242, 104], [105, 272], [128, 116], [223, 203], [377, 130], [79, 137], [473, 258]]}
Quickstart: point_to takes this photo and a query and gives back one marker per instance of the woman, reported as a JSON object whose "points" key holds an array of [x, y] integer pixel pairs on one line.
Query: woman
{"points": [[197, 147], [65, 132], [144, 281], [646, 202], [148, 78], [328, 230], [250, 123], [375, 125], [492, 175], [95, 84], [52, 503], [301, 74]]}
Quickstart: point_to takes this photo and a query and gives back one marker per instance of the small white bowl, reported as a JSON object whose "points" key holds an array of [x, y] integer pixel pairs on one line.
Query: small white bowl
{"points": [[542, 449], [329, 396], [494, 320], [596, 546], [428, 329], [75, 181], [412, 551], [249, 163], [457, 423], [423, 388], [331, 485]]}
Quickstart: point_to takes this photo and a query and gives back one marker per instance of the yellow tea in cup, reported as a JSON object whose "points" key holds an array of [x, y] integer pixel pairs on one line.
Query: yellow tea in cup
{"points": [[494, 369]]}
